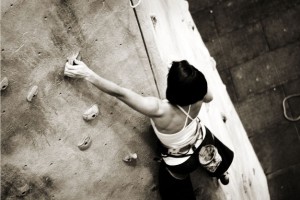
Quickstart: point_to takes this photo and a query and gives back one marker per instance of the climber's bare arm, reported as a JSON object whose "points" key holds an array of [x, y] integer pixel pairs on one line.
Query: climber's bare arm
{"points": [[149, 106]]}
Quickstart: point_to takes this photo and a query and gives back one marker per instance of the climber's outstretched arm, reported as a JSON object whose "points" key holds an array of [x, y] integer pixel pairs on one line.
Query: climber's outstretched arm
{"points": [[149, 106]]}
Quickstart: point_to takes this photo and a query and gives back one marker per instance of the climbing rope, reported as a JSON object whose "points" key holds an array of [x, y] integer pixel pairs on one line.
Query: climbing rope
{"points": [[136, 5], [284, 108]]}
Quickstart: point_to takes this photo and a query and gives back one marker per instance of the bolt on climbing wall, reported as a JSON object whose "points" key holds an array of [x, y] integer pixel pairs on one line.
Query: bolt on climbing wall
{"points": [[62, 138], [171, 34]]}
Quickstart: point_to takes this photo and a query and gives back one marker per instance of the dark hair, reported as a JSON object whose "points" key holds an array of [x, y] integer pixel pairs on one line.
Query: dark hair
{"points": [[186, 84]]}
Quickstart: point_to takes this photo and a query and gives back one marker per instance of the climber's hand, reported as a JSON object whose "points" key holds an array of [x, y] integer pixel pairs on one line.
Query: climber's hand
{"points": [[77, 70]]}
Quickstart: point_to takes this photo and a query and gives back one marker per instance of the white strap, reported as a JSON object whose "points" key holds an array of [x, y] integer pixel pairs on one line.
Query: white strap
{"points": [[187, 114]]}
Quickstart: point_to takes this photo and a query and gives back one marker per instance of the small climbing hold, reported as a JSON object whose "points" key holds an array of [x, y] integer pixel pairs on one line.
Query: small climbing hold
{"points": [[73, 57], [154, 188], [224, 118], [91, 113], [130, 157], [23, 190], [85, 144], [154, 20], [4, 83], [32, 93]]}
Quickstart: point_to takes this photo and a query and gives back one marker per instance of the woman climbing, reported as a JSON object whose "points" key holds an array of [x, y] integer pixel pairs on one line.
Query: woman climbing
{"points": [[175, 122]]}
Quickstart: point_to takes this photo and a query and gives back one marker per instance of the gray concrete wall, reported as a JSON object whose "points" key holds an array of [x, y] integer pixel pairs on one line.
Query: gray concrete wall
{"points": [[39, 138]]}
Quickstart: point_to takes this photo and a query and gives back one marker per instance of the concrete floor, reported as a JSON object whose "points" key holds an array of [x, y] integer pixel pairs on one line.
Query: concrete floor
{"points": [[257, 49]]}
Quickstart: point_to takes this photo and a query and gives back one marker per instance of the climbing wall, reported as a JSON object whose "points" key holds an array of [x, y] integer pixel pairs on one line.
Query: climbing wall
{"points": [[169, 24], [40, 158]]}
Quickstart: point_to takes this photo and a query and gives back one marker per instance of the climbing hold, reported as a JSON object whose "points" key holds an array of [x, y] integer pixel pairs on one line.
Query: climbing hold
{"points": [[130, 157], [32, 93], [224, 118], [25, 167], [91, 113], [4, 83], [85, 144], [23, 190], [154, 20], [154, 187], [73, 57]]}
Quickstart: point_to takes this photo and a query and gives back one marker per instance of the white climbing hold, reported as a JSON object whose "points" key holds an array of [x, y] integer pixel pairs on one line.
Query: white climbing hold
{"points": [[130, 157], [85, 144], [4, 83], [23, 190], [91, 113], [32, 93], [73, 57]]}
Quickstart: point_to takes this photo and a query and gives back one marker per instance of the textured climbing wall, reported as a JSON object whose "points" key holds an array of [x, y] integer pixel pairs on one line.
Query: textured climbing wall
{"points": [[39, 138], [170, 25], [40, 158]]}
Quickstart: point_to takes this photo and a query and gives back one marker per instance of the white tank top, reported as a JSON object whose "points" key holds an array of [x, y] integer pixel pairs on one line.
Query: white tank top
{"points": [[179, 139]]}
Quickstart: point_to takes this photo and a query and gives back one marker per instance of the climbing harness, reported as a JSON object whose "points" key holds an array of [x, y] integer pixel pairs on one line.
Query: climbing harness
{"points": [[284, 108]]}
